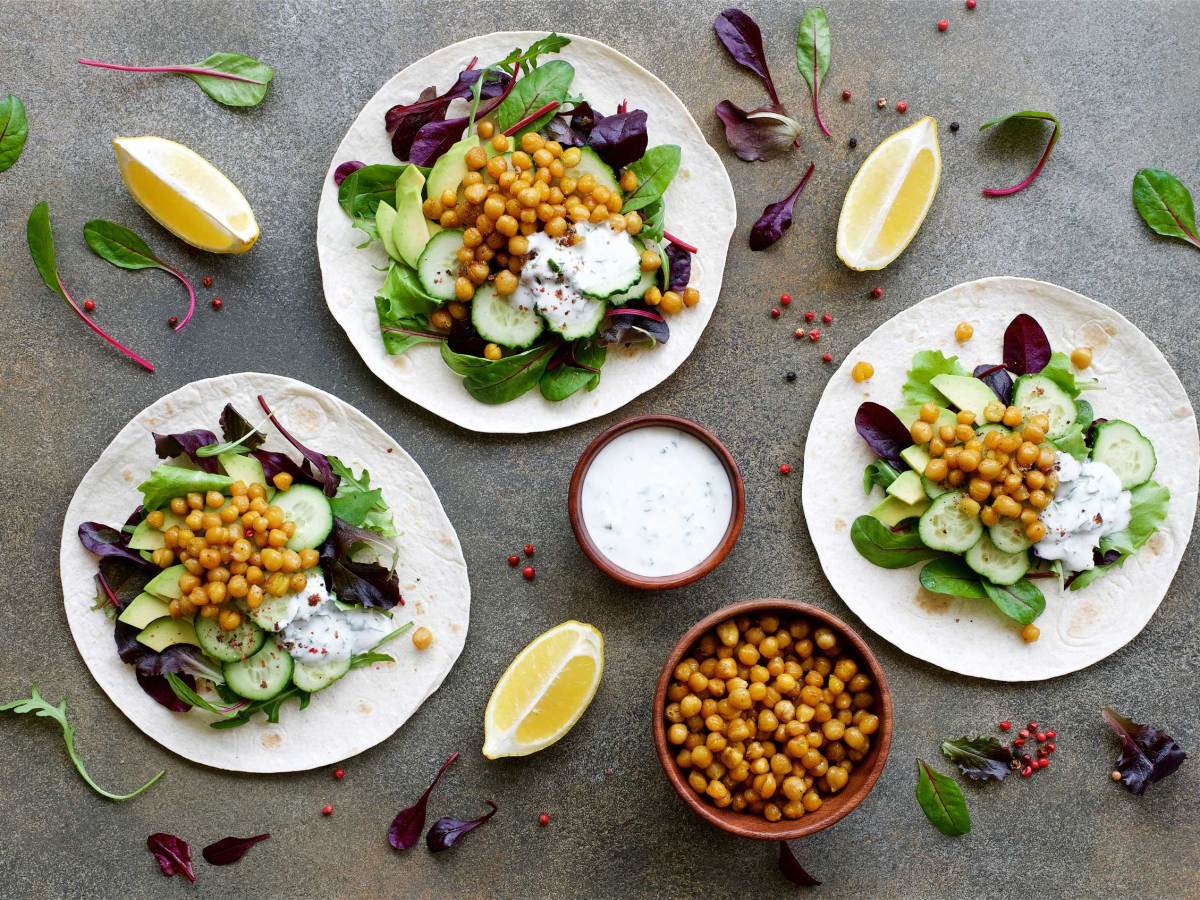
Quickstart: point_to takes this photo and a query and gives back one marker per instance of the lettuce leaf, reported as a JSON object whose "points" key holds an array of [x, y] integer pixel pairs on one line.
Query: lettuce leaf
{"points": [[403, 307], [926, 364], [358, 503], [1148, 511]]}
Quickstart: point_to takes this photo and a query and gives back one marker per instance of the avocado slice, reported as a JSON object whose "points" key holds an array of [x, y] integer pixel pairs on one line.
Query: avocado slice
{"points": [[891, 511], [917, 458], [166, 583], [142, 610], [907, 488], [410, 233], [242, 467], [910, 414], [450, 169], [162, 633], [385, 224], [966, 392], [146, 537]]}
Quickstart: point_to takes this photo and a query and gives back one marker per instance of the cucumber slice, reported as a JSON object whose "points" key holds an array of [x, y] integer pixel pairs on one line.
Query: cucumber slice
{"points": [[592, 164], [316, 677], [229, 646], [499, 321], [1009, 536], [1126, 451], [263, 675], [272, 613], [944, 526], [307, 507], [438, 266], [636, 291], [583, 322], [994, 564], [991, 426], [1038, 395]]}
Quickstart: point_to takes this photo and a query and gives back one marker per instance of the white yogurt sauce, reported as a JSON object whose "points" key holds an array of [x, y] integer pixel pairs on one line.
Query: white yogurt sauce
{"points": [[1087, 505], [315, 630], [656, 501], [559, 270]]}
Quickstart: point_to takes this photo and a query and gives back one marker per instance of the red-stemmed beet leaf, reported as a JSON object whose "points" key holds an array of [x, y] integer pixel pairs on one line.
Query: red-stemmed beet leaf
{"points": [[1027, 115], [634, 324], [118, 245], [448, 832], [231, 849], [883, 431], [1026, 347], [758, 134], [998, 379], [680, 242], [791, 868], [232, 79], [406, 828], [173, 854], [777, 217], [317, 462], [742, 38], [1148, 754], [812, 57], [404, 120]]}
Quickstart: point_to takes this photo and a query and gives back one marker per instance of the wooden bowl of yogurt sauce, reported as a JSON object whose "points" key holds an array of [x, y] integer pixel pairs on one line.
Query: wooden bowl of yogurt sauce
{"points": [[656, 502]]}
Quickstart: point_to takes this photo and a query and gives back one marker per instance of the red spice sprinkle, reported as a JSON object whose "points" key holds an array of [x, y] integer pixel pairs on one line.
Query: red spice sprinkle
{"points": [[339, 774], [89, 305], [775, 313], [876, 293], [1051, 735], [826, 357], [970, 4], [527, 573], [544, 819], [206, 281], [814, 335], [1024, 732], [1027, 771], [943, 24], [827, 319], [798, 333], [1006, 725], [529, 549], [785, 469], [216, 303], [846, 95], [785, 299], [902, 106], [513, 559], [1019, 742], [327, 809], [809, 316]]}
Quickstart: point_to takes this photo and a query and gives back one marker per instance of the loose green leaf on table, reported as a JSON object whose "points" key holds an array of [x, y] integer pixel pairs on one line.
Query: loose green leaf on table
{"points": [[979, 758], [232, 79], [654, 172], [1024, 115], [1163, 203], [812, 56], [886, 548], [118, 245], [43, 708], [942, 801], [14, 129]]}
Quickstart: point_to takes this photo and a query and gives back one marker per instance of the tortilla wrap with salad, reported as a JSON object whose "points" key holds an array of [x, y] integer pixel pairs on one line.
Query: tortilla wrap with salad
{"points": [[1018, 497], [587, 313], [261, 578]]}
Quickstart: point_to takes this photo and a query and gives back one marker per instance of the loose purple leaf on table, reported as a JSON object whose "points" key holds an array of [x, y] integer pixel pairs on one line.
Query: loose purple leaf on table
{"points": [[173, 854], [777, 217], [758, 134], [980, 758], [1026, 347], [1148, 754], [742, 38], [998, 379], [406, 828], [884, 433], [448, 832], [791, 868], [231, 849], [621, 139]]}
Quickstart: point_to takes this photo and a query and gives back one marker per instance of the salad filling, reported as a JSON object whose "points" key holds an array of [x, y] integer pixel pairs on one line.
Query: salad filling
{"points": [[1088, 506]]}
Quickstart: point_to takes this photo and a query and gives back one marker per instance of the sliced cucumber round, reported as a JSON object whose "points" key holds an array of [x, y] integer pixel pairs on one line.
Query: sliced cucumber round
{"points": [[313, 677], [438, 266], [944, 526], [991, 426], [1126, 451], [584, 320], [229, 646], [272, 614], [1009, 536], [307, 507], [591, 164], [994, 564], [1038, 395], [636, 291], [500, 322], [263, 675]]}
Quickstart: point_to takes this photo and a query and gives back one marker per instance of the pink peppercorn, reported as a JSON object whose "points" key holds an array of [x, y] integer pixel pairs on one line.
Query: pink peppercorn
{"points": [[827, 357], [814, 335], [846, 95], [876, 293], [775, 313], [785, 299], [943, 24], [902, 106], [970, 4], [785, 469], [527, 573], [827, 319], [809, 316], [89, 305]]}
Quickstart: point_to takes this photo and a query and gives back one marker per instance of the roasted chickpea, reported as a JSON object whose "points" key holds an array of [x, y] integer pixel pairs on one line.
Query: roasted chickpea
{"points": [[1081, 357], [963, 332], [862, 371]]}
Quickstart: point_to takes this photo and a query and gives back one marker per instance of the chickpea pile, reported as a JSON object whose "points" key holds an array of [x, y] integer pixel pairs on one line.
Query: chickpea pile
{"points": [[769, 718], [233, 549], [1006, 475], [501, 202]]}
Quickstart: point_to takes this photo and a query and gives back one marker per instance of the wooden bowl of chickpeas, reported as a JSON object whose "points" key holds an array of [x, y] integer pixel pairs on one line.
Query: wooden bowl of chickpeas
{"points": [[772, 719]]}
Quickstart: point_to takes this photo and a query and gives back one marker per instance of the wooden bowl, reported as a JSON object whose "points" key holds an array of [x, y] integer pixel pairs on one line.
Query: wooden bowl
{"points": [[862, 778], [659, 582]]}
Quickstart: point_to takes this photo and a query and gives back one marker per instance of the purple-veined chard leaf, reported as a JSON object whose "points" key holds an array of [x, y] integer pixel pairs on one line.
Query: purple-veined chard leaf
{"points": [[883, 431], [1148, 754], [231, 849], [791, 869], [812, 56], [344, 169], [620, 139], [448, 832], [1026, 347], [758, 134], [186, 443], [741, 36], [1165, 204], [173, 854], [777, 217], [406, 828], [979, 758], [997, 378], [1028, 115]]}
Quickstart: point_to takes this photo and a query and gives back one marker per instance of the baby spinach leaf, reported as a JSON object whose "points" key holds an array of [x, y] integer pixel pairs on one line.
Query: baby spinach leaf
{"points": [[885, 548], [580, 370], [953, 577], [1160, 198], [925, 364], [14, 129], [362, 190], [1027, 115], [980, 758], [1022, 602], [403, 308], [942, 801], [548, 83], [498, 381], [879, 472], [654, 172], [812, 56], [1148, 753]]}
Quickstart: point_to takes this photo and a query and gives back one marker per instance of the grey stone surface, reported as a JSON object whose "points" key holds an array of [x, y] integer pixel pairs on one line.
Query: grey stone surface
{"points": [[1122, 79]]}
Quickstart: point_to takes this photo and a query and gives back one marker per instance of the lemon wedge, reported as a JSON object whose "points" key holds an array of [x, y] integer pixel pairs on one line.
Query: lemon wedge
{"points": [[889, 197], [186, 194], [544, 691]]}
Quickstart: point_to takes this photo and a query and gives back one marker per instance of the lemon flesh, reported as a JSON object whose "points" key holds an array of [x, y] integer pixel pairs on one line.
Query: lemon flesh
{"points": [[186, 194], [889, 197], [544, 691]]}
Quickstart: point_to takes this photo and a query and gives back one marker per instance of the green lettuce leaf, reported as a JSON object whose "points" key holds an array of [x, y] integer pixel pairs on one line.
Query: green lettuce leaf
{"points": [[926, 364], [403, 308]]}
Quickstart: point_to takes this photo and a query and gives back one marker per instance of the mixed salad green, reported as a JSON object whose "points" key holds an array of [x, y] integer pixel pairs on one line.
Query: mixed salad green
{"points": [[528, 246], [993, 482], [247, 571]]}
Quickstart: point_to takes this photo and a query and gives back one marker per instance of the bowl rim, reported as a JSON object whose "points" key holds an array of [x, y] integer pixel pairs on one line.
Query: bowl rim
{"points": [[746, 824], [655, 582]]}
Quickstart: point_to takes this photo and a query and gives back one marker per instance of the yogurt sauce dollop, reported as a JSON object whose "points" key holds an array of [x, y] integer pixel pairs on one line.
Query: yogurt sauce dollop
{"points": [[1088, 505], [656, 501], [315, 630]]}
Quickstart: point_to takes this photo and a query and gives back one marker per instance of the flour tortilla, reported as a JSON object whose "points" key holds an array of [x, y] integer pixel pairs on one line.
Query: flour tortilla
{"points": [[700, 208], [367, 705], [1078, 628]]}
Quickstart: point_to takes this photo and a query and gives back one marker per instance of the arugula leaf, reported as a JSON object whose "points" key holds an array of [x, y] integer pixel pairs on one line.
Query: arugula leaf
{"points": [[879, 473], [358, 503], [498, 381], [654, 173], [1028, 115], [167, 481], [1160, 198], [14, 130], [925, 364], [371, 654], [180, 689], [888, 549], [951, 576], [812, 56], [549, 83], [1147, 512], [269, 708], [980, 758], [43, 708], [942, 801]]}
